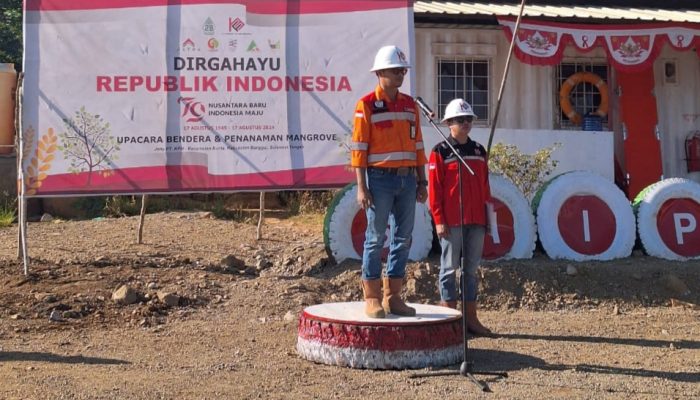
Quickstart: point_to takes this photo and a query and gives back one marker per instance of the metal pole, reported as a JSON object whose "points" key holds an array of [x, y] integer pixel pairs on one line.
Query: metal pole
{"points": [[505, 76], [25, 256], [20, 183]]}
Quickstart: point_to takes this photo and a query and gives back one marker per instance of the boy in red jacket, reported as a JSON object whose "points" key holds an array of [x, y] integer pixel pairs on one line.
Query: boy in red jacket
{"points": [[443, 191]]}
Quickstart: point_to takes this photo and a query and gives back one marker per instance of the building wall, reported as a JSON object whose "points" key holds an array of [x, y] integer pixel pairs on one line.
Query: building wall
{"points": [[527, 114], [529, 100], [525, 86], [678, 105]]}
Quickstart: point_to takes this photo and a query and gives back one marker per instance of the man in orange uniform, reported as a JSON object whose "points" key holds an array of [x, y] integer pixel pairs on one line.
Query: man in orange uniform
{"points": [[468, 234], [389, 159]]}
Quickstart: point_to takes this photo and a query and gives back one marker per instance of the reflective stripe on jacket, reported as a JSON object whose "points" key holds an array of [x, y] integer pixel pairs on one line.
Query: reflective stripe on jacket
{"points": [[443, 183], [385, 133]]}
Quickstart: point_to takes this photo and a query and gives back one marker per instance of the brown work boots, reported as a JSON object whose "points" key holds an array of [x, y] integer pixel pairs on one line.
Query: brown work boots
{"points": [[373, 292], [391, 302], [474, 326], [448, 304]]}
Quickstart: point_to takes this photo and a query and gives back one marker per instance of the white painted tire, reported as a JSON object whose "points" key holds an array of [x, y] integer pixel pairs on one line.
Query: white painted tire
{"points": [[524, 228], [581, 183], [647, 206], [341, 334], [338, 223]]}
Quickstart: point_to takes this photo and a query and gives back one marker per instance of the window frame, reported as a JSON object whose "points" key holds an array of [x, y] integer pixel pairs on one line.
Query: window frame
{"points": [[583, 90], [481, 120]]}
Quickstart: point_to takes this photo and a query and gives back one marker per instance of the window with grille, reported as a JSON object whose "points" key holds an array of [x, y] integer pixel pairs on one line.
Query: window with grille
{"points": [[467, 79], [584, 97]]}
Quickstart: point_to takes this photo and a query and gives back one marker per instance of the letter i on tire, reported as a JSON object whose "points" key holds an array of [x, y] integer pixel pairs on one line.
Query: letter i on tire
{"points": [[512, 229], [582, 216], [345, 223]]}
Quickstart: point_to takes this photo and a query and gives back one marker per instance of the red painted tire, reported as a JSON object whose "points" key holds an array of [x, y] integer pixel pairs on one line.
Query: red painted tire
{"points": [[668, 219], [345, 224], [514, 235], [582, 216], [340, 334]]}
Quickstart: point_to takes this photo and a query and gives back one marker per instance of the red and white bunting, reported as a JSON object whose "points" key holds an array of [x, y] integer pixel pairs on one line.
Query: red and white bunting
{"points": [[629, 47]]}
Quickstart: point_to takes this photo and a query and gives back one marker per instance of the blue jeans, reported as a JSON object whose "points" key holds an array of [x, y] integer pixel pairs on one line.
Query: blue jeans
{"points": [[395, 195], [450, 260]]}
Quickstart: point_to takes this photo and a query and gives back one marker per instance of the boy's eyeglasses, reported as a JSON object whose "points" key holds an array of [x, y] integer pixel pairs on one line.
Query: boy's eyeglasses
{"points": [[461, 120]]}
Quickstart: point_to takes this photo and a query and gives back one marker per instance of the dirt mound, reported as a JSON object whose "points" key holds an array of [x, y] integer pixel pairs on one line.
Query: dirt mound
{"points": [[76, 266]]}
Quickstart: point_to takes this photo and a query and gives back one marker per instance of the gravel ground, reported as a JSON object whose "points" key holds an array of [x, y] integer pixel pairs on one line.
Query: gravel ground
{"points": [[624, 329]]}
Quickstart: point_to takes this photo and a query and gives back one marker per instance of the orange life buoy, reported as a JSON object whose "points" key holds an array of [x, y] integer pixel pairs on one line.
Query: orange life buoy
{"points": [[574, 80]]}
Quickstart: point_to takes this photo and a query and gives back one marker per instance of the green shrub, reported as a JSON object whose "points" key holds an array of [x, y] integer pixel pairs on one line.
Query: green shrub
{"points": [[221, 205], [122, 206], [307, 201], [526, 171], [8, 209]]}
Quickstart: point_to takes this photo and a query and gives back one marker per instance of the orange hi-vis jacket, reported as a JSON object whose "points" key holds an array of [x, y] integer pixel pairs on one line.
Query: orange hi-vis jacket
{"points": [[386, 134]]}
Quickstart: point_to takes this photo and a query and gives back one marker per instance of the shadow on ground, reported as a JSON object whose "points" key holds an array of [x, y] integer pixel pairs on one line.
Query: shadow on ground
{"points": [[493, 360], [56, 358]]}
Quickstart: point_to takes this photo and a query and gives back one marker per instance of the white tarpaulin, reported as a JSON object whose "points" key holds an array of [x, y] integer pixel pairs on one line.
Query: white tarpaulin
{"points": [[145, 97]]}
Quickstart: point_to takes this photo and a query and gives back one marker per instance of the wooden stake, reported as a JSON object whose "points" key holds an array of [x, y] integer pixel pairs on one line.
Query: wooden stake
{"points": [[144, 202], [21, 186], [261, 217]]}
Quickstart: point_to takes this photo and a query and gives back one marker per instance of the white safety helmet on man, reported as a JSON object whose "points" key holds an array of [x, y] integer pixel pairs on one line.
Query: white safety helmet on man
{"points": [[458, 108], [390, 57]]}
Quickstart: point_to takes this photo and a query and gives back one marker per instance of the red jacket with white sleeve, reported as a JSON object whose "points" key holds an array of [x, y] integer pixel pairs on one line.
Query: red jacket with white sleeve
{"points": [[443, 183]]}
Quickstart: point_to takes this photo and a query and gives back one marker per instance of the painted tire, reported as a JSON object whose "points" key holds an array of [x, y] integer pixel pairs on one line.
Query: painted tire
{"points": [[564, 234], [516, 233], [340, 334], [345, 223], [668, 219]]}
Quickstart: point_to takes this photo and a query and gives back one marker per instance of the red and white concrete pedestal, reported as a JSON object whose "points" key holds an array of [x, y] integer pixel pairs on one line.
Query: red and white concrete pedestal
{"points": [[341, 334]]}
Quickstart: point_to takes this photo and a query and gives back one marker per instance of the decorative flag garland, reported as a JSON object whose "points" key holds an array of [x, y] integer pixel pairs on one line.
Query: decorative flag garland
{"points": [[629, 47]]}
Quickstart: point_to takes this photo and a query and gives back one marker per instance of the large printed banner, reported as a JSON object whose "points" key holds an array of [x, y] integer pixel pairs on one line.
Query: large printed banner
{"points": [[629, 47], [126, 96]]}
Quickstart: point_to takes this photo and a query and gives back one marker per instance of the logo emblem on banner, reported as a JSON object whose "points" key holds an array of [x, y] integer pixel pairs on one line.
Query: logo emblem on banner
{"points": [[213, 44], [235, 24], [630, 49], [194, 110], [274, 45], [538, 42], [188, 45], [208, 26], [253, 47]]}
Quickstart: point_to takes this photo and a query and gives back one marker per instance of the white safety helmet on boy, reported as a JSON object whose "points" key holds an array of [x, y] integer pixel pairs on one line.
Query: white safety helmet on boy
{"points": [[390, 57], [458, 108]]}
